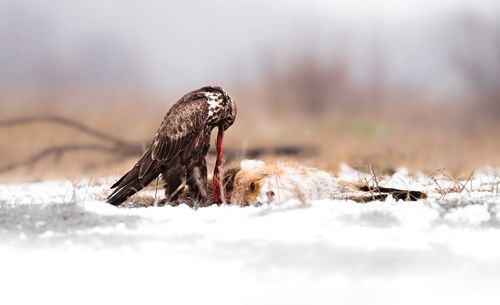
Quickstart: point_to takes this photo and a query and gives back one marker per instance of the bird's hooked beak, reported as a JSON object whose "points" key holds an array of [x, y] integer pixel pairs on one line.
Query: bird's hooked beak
{"points": [[227, 124], [232, 116], [218, 162]]}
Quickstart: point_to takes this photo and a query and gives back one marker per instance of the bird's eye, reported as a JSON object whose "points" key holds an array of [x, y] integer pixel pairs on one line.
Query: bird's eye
{"points": [[251, 187]]}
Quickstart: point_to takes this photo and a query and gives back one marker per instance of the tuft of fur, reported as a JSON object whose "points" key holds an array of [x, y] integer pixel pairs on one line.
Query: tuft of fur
{"points": [[257, 182]]}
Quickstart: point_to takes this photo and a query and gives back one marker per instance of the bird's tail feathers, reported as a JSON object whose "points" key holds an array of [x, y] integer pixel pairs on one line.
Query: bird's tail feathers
{"points": [[133, 181]]}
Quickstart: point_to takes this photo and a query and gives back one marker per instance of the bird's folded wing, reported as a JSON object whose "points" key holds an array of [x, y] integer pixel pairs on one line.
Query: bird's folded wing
{"points": [[179, 128]]}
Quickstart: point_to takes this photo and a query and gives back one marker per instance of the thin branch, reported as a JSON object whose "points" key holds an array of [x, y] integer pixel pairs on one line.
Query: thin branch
{"points": [[374, 176], [57, 151], [67, 123]]}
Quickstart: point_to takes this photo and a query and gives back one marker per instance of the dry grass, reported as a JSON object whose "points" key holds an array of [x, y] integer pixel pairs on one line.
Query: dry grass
{"points": [[422, 134], [458, 182]]}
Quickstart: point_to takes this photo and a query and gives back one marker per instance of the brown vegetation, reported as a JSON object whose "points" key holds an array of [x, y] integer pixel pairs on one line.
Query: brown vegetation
{"points": [[410, 129]]}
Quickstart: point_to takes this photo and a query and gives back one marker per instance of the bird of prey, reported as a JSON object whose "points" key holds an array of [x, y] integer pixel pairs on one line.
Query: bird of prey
{"points": [[179, 148]]}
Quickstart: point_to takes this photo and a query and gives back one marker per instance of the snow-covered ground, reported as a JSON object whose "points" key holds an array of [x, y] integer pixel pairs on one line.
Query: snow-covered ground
{"points": [[60, 244]]}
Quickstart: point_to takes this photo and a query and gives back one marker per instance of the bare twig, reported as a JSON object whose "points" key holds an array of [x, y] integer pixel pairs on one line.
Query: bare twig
{"points": [[370, 189], [407, 188], [68, 123], [57, 151], [439, 189], [467, 181], [374, 176], [118, 147]]}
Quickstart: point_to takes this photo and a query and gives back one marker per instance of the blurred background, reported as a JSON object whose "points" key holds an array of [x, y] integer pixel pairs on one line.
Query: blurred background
{"points": [[389, 83]]}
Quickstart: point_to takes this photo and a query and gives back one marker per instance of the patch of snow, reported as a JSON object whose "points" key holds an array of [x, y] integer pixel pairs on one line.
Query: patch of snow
{"points": [[473, 215], [59, 243]]}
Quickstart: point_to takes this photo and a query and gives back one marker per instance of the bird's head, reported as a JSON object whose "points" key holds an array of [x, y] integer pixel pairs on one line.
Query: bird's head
{"points": [[221, 113], [221, 108]]}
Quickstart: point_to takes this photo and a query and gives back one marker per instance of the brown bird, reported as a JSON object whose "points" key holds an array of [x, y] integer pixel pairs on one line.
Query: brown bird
{"points": [[179, 148]]}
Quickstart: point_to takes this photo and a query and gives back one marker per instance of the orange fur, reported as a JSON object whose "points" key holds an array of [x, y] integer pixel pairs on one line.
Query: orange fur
{"points": [[257, 182]]}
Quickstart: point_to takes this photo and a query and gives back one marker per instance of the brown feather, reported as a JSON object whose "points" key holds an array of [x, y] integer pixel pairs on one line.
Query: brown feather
{"points": [[179, 146]]}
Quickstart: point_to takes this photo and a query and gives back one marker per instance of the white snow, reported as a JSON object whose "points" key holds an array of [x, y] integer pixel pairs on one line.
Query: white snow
{"points": [[60, 244]]}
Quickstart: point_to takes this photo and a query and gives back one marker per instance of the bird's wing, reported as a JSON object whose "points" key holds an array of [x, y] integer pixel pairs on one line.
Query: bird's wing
{"points": [[180, 126], [182, 123]]}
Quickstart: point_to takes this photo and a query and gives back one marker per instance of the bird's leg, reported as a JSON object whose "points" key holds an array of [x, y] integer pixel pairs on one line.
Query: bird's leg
{"points": [[175, 184], [218, 162], [197, 184]]}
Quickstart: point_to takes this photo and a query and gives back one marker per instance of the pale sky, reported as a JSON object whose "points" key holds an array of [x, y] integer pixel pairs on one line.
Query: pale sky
{"points": [[181, 44]]}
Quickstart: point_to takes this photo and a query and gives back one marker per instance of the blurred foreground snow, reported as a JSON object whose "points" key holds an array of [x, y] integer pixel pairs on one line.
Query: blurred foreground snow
{"points": [[59, 244]]}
